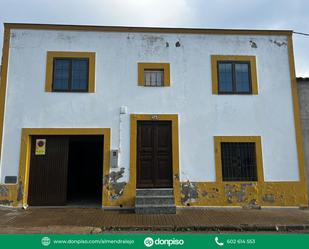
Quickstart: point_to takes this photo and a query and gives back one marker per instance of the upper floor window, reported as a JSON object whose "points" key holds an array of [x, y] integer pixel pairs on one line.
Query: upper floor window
{"points": [[70, 72], [154, 74], [153, 77], [234, 75]]}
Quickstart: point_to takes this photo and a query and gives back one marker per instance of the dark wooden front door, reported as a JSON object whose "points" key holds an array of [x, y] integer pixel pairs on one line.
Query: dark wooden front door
{"points": [[48, 173], [154, 154]]}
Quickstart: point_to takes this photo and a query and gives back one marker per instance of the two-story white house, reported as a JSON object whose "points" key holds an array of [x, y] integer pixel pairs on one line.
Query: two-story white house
{"points": [[150, 118]]}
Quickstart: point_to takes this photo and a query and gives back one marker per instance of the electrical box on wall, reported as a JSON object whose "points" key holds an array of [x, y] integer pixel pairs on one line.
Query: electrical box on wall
{"points": [[114, 159]]}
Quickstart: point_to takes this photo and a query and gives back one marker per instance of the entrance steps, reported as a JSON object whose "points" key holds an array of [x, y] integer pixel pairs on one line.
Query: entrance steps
{"points": [[155, 201]]}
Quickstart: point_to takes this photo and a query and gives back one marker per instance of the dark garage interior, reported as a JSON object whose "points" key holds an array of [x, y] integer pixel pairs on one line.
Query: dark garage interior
{"points": [[85, 170]]}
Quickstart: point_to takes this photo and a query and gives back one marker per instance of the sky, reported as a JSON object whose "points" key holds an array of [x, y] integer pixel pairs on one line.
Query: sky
{"points": [[234, 14]]}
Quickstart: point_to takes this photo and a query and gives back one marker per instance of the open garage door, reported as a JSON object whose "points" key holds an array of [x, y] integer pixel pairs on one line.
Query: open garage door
{"points": [[66, 170]]}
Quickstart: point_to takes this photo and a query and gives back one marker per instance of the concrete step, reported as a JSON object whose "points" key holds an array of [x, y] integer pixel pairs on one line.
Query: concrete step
{"points": [[154, 192], [155, 209], [155, 200]]}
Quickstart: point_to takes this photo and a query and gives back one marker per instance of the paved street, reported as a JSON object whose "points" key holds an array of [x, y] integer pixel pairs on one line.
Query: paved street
{"points": [[91, 220]]}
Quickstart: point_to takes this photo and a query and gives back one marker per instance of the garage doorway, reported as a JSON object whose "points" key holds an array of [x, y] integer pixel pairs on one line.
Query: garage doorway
{"points": [[66, 170], [85, 170]]}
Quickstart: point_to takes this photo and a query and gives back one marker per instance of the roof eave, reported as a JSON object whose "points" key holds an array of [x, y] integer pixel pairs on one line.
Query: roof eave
{"points": [[145, 29]]}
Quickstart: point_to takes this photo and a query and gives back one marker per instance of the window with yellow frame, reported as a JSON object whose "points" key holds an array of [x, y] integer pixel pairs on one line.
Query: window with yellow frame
{"points": [[233, 74], [70, 71], [238, 159], [153, 74]]}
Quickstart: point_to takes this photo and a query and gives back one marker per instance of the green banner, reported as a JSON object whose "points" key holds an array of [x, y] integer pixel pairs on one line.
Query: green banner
{"points": [[156, 241]]}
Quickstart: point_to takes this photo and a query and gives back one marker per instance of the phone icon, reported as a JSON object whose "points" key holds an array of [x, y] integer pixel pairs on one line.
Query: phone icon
{"points": [[218, 243]]}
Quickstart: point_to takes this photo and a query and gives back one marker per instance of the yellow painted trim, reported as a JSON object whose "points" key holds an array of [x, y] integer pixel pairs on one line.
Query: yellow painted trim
{"points": [[24, 165], [175, 147], [142, 66], [146, 29], [214, 70], [297, 121], [127, 199], [65, 54], [3, 81], [258, 150], [241, 194]]}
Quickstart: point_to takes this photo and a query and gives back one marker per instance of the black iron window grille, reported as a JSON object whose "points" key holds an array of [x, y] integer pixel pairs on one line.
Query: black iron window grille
{"points": [[238, 161]]}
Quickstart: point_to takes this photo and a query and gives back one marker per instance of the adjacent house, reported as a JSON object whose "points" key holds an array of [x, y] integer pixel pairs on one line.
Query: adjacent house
{"points": [[303, 92], [149, 118]]}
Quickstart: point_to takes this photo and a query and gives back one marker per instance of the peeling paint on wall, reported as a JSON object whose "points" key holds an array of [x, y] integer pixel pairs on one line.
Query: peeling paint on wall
{"points": [[4, 191], [176, 177], [253, 44], [211, 193], [20, 191], [67, 37], [189, 192], [269, 198], [247, 195], [6, 202], [114, 187], [234, 193], [152, 39], [252, 205], [8, 195], [13, 35], [114, 176], [153, 44], [278, 43], [116, 190], [274, 194]]}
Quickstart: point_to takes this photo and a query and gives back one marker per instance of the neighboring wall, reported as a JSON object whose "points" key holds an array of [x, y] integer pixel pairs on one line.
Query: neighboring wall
{"points": [[303, 96]]}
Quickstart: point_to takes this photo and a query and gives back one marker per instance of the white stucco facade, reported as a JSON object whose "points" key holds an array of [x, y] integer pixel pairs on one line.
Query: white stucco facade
{"points": [[202, 115]]}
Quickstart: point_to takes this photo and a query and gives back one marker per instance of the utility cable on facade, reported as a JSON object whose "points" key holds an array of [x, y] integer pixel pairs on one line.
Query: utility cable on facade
{"points": [[300, 33]]}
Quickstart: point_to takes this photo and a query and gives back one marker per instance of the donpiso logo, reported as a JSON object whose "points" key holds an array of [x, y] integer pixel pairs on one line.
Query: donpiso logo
{"points": [[149, 242], [45, 241]]}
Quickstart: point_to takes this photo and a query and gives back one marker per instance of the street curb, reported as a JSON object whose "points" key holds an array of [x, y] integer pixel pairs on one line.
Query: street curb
{"points": [[218, 228], [99, 230]]}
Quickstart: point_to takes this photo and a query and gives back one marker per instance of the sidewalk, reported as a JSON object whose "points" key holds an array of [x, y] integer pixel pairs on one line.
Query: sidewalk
{"points": [[91, 220]]}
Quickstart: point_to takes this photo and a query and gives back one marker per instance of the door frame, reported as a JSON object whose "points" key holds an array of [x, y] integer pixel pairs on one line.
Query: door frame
{"points": [[175, 146], [25, 150]]}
